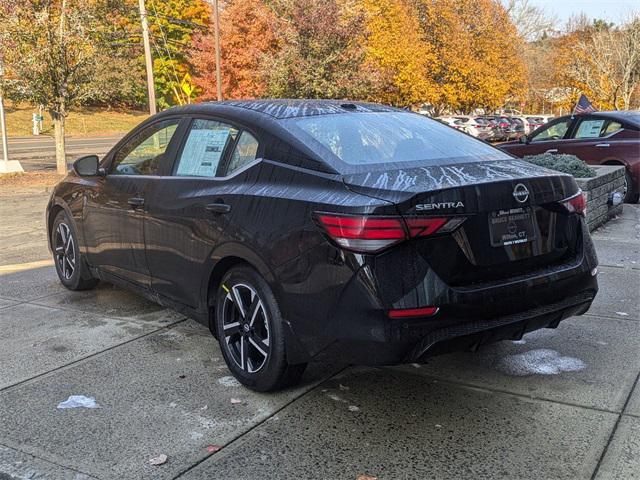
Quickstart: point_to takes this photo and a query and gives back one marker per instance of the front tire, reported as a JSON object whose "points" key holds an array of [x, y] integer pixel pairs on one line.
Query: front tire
{"points": [[250, 331], [71, 268]]}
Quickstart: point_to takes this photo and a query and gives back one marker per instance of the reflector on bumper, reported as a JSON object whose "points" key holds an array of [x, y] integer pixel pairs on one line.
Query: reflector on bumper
{"points": [[413, 312]]}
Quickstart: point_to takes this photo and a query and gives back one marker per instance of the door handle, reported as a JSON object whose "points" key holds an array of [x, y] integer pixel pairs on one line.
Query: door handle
{"points": [[603, 145], [552, 150], [136, 202], [218, 208]]}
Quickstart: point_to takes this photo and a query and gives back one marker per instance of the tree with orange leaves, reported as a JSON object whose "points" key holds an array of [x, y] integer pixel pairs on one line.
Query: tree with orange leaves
{"points": [[247, 33]]}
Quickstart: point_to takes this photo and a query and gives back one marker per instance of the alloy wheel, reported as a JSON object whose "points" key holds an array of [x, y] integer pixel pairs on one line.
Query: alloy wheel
{"points": [[65, 250], [245, 327]]}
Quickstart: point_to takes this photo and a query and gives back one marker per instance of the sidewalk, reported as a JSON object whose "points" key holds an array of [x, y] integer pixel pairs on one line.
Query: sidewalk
{"points": [[560, 404]]}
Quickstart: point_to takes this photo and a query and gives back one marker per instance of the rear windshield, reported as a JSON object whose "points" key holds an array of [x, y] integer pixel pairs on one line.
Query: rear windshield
{"points": [[355, 142]]}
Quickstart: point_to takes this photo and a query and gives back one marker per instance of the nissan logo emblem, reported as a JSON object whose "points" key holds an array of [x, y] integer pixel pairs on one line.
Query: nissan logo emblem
{"points": [[520, 193]]}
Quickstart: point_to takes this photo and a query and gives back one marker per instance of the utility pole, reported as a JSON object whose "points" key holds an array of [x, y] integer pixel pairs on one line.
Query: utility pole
{"points": [[3, 127], [147, 57], [6, 166], [216, 29]]}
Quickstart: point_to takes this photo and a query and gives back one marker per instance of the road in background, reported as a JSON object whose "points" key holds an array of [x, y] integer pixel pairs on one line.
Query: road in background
{"points": [[38, 153]]}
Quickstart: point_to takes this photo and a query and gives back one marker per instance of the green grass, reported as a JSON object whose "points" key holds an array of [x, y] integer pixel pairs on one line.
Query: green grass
{"points": [[80, 122]]}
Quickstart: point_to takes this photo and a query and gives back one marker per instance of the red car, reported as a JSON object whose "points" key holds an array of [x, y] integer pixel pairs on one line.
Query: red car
{"points": [[599, 138]]}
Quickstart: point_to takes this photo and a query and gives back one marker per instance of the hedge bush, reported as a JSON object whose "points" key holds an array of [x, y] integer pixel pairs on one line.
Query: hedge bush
{"points": [[563, 163]]}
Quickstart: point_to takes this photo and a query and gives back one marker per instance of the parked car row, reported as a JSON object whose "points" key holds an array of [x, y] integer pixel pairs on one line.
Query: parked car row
{"points": [[496, 128]]}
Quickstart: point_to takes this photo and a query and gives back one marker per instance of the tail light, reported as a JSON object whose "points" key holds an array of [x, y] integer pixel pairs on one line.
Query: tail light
{"points": [[576, 204], [370, 234], [413, 312]]}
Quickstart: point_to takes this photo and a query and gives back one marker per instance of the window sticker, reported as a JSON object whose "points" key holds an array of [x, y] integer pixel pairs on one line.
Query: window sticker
{"points": [[590, 129], [202, 152]]}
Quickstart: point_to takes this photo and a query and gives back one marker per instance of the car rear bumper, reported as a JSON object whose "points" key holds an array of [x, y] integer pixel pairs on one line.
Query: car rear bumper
{"points": [[378, 340], [348, 321]]}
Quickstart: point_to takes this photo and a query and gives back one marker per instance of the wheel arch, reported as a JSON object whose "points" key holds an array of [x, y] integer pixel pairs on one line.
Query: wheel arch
{"points": [[224, 258], [634, 187], [57, 207], [614, 161]]}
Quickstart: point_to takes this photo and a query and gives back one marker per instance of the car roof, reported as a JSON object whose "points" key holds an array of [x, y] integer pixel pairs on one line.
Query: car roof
{"points": [[629, 116], [284, 108]]}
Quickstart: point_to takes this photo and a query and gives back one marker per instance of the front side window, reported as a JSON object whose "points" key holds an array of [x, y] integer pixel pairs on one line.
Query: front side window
{"points": [[554, 131], [204, 148], [143, 153]]}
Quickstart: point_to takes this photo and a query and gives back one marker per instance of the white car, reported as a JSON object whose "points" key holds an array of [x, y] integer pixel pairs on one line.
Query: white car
{"points": [[528, 121], [476, 126], [453, 122]]}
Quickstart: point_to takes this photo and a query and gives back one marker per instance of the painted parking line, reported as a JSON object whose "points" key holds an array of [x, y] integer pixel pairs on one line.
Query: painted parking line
{"points": [[19, 267]]}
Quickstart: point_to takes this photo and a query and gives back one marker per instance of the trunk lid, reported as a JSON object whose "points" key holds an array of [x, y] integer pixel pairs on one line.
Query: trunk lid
{"points": [[512, 224]]}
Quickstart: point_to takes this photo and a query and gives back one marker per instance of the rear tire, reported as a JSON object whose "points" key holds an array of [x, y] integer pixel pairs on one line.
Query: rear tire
{"points": [[250, 332], [71, 267], [630, 195]]}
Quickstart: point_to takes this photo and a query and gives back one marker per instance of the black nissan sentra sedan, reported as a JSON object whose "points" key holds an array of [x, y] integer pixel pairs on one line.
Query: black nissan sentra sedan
{"points": [[299, 230]]}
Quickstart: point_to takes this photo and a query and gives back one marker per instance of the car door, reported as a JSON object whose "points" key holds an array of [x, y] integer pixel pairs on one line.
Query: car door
{"points": [[549, 138], [115, 209], [192, 211], [590, 139]]}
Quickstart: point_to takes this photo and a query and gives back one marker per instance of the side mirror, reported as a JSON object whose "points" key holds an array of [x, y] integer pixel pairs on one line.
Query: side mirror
{"points": [[524, 139], [88, 166]]}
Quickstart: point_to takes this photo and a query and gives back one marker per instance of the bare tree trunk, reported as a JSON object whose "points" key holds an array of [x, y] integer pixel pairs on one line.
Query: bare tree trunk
{"points": [[58, 131]]}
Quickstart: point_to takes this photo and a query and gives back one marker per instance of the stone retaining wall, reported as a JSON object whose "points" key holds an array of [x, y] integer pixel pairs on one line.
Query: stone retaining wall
{"points": [[598, 189]]}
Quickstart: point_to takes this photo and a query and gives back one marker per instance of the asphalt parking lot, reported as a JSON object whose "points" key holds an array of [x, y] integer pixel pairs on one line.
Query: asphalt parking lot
{"points": [[560, 404]]}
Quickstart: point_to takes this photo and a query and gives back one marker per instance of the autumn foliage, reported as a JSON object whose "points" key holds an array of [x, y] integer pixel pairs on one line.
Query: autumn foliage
{"points": [[447, 53], [249, 34], [395, 50], [595, 58]]}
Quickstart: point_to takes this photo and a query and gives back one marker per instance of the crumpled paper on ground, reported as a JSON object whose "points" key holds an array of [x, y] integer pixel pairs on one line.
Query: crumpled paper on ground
{"points": [[78, 401]]}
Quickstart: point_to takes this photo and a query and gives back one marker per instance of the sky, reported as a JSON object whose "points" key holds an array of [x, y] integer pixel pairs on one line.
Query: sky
{"points": [[610, 10]]}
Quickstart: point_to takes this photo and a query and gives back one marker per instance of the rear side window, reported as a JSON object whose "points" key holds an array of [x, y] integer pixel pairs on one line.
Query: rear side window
{"points": [[204, 148], [244, 153], [612, 127], [374, 140], [596, 127]]}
